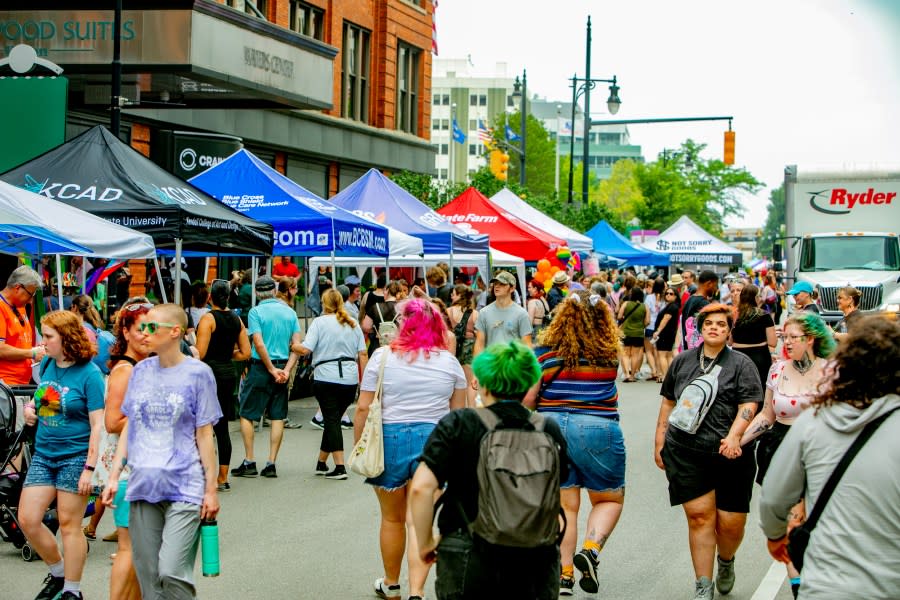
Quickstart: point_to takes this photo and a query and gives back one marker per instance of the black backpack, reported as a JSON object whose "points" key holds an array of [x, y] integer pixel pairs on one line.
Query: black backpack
{"points": [[460, 331]]}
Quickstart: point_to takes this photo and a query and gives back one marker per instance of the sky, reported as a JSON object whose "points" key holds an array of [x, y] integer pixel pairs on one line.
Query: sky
{"points": [[808, 82]]}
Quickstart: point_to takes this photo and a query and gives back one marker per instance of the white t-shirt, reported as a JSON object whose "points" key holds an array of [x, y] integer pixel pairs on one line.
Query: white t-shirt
{"points": [[328, 339], [653, 307], [417, 391]]}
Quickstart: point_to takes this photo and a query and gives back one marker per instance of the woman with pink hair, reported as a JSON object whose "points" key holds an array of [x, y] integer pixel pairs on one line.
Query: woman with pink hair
{"points": [[422, 382]]}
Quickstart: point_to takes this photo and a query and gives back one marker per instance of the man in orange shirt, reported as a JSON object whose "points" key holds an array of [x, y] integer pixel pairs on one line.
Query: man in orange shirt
{"points": [[17, 350], [285, 268]]}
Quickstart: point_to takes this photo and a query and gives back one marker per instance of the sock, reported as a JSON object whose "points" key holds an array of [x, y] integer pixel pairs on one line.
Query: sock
{"points": [[247, 461], [57, 569], [727, 562], [593, 546], [318, 416], [72, 586], [269, 463], [568, 572]]}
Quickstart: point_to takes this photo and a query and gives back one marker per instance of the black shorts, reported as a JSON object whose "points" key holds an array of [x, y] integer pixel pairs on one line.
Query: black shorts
{"points": [[634, 342], [693, 473], [766, 446], [260, 394]]}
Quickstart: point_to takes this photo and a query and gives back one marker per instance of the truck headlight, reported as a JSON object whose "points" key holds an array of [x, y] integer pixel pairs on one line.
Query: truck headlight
{"points": [[892, 308]]}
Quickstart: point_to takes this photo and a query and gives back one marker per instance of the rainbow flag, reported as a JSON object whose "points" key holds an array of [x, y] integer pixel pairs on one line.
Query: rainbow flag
{"points": [[101, 274]]}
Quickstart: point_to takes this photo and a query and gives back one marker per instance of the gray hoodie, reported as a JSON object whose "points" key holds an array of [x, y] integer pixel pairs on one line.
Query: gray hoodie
{"points": [[854, 551]]}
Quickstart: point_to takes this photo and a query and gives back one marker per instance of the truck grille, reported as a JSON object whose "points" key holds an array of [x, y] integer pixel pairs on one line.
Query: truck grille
{"points": [[870, 299]]}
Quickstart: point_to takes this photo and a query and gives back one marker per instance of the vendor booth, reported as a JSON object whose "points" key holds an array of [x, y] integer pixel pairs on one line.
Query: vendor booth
{"points": [[508, 201], [607, 240], [687, 243]]}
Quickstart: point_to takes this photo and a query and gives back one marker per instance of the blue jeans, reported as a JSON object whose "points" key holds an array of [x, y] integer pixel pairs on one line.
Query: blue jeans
{"points": [[403, 445], [60, 473], [596, 451]]}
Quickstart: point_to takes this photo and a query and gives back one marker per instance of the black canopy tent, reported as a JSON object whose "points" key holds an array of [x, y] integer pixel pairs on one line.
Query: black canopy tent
{"points": [[99, 173]]}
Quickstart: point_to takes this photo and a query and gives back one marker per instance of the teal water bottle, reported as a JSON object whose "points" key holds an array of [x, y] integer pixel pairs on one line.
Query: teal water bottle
{"points": [[209, 547]]}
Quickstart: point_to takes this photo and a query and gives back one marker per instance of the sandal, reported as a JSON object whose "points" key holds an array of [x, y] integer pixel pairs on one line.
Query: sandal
{"points": [[89, 533]]}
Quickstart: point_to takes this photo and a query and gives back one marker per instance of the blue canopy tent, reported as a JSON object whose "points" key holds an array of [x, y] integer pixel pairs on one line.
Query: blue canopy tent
{"points": [[304, 224], [611, 242], [381, 200]]}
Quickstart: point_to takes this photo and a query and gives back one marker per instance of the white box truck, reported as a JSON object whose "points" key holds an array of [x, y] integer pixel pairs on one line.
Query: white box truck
{"points": [[841, 229]]}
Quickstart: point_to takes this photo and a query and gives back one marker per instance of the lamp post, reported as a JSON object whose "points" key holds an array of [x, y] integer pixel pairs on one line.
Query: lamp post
{"points": [[556, 176], [520, 90], [582, 86]]}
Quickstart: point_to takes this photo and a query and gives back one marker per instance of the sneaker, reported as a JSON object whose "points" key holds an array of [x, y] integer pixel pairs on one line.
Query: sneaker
{"points": [[269, 471], [53, 586], [321, 468], [703, 589], [587, 564], [70, 595], [339, 473], [224, 487], [288, 424], [725, 575], [247, 469], [317, 423], [346, 424], [566, 586], [386, 591]]}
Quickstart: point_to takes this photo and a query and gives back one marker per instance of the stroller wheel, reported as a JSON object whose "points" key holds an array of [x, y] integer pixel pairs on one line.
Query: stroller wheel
{"points": [[28, 553]]}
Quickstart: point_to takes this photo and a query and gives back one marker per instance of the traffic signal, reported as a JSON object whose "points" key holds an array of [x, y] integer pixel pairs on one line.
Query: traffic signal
{"points": [[729, 148], [499, 164]]}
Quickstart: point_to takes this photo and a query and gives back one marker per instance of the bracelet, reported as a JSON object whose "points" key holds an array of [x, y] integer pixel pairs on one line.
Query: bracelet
{"points": [[33, 353], [88, 467]]}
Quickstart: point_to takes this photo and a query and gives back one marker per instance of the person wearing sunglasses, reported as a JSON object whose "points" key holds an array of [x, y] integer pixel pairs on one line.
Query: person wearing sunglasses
{"points": [[666, 329], [17, 349], [171, 407]]}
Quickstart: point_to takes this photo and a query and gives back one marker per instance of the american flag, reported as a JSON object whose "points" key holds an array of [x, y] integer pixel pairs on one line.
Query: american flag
{"points": [[485, 134], [434, 46]]}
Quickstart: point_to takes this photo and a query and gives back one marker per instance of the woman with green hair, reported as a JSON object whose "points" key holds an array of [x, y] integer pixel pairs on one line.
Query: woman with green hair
{"points": [[467, 569], [791, 385]]}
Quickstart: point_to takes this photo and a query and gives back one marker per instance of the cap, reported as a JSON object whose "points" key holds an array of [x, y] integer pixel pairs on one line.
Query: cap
{"points": [[351, 280], [800, 286], [676, 280], [265, 284], [560, 278], [504, 277], [345, 291]]}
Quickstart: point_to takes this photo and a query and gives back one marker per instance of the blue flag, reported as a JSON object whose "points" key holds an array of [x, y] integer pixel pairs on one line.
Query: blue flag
{"points": [[512, 136], [458, 136]]}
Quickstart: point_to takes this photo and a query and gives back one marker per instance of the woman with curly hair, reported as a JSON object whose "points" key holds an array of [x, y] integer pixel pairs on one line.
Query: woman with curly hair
{"points": [[69, 417], [422, 381], [790, 386], [578, 355], [852, 552]]}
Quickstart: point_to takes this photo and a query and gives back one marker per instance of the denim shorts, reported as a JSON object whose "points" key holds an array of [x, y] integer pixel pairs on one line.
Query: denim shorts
{"points": [[120, 514], [596, 451], [60, 473], [403, 445]]}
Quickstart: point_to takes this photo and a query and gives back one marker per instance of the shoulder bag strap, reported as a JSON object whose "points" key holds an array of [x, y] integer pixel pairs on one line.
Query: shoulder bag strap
{"points": [[379, 385], [838, 472]]}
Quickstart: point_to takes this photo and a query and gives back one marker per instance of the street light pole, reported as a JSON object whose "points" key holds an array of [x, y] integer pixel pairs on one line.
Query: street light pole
{"points": [[579, 87], [524, 110], [451, 176], [587, 117], [556, 176]]}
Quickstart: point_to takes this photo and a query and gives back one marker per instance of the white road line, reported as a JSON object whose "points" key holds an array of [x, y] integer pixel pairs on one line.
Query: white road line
{"points": [[771, 583]]}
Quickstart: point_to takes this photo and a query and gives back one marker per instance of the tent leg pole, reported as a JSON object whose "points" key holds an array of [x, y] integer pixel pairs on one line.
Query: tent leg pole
{"points": [[387, 271], [306, 296], [59, 275], [206, 270], [177, 278], [159, 279], [254, 265]]}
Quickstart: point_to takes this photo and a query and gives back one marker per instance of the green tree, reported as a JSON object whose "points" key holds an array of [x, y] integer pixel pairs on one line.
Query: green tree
{"points": [[774, 222], [621, 193], [540, 152]]}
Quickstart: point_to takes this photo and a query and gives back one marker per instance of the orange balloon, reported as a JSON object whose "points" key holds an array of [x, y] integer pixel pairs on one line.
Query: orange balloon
{"points": [[543, 265], [554, 269], [540, 277]]}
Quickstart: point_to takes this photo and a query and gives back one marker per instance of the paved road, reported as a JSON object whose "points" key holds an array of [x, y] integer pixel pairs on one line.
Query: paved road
{"points": [[300, 536]]}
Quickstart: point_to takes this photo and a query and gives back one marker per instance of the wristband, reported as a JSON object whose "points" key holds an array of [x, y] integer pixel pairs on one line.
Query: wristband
{"points": [[33, 353], [88, 467]]}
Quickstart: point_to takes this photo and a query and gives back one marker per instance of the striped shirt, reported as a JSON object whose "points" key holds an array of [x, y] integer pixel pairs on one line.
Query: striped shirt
{"points": [[587, 389]]}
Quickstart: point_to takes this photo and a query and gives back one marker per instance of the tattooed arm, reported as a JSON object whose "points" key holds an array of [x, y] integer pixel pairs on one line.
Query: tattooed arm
{"points": [[730, 447], [762, 422]]}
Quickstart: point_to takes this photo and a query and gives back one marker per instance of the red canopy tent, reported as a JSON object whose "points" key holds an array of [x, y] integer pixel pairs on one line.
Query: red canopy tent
{"points": [[474, 213]]}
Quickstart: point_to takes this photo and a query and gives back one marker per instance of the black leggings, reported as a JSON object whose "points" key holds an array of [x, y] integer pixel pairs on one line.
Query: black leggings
{"points": [[225, 392], [333, 398]]}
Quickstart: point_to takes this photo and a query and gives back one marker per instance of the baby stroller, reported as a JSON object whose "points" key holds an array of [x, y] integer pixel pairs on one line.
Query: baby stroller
{"points": [[15, 448]]}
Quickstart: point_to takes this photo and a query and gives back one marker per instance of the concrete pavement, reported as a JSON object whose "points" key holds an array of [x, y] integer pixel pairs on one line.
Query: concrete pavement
{"points": [[301, 536]]}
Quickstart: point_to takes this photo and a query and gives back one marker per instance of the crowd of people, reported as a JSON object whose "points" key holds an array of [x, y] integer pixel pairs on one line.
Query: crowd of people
{"points": [[469, 383]]}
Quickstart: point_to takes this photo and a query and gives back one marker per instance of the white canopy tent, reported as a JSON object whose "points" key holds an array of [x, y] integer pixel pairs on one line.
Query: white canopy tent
{"points": [[508, 201], [687, 243]]}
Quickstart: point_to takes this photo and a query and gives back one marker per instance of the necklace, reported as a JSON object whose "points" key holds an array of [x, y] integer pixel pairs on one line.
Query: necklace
{"points": [[803, 365], [704, 368]]}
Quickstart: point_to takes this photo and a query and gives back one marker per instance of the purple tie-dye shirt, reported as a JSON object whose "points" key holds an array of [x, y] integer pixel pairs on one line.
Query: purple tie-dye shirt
{"points": [[165, 407]]}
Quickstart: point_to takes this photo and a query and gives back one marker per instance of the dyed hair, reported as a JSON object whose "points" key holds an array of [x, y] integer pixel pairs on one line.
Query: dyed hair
{"points": [[465, 297], [865, 365], [580, 330], [125, 320], [422, 328], [333, 303], [814, 327], [507, 370], [84, 306], [715, 309], [75, 343]]}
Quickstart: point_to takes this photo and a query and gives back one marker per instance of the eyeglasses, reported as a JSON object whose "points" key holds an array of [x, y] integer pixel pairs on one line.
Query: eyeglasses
{"points": [[30, 294], [138, 306], [152, 327], [670, 293], [795, 338]]}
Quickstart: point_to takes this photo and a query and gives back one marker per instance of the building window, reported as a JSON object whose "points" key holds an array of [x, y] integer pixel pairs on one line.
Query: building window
{"points": [[435, 124], [473, 124], [446, 100], [407, 87], [610, 139], [248, 5], [355, 73], [445, 124], [476, 149], [445, 149], [443, 174], [482, 100], [307, 19], [473, 100]]}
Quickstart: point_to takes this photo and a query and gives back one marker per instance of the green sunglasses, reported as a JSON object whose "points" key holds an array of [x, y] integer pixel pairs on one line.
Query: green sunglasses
{"points": [[152, 327]]}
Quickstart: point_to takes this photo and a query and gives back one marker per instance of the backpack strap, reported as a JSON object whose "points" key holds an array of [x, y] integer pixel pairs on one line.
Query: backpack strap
{"points": [[488, 417], [537, 421]]}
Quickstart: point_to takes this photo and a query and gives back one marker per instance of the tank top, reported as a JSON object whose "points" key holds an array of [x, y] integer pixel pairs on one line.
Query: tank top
{"points": [[223, 339], [786, 406]]}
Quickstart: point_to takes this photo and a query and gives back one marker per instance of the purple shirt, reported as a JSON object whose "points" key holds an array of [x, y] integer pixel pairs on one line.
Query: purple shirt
{"points": [[165, 407]]}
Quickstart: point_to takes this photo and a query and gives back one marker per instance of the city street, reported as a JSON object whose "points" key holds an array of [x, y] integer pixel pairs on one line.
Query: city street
{"points": [[300, 536]]}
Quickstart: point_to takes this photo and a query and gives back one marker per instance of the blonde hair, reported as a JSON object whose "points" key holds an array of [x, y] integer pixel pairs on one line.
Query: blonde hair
{"points": [[333, 303]]}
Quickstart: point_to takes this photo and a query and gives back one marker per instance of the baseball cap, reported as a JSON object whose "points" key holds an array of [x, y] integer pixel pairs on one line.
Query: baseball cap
{"points": [[800, 286], [265, 284], [351, 280], [504, 277]]}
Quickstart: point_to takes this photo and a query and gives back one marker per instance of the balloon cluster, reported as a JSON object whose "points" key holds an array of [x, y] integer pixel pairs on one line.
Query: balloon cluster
{"points": [[556, 259]]}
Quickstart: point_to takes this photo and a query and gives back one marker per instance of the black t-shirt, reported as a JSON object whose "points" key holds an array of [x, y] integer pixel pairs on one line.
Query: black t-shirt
{"points": [[753, 329], [812, 307], [452, 452], [691, 307], [668, 332], [738, 384], [844, 325]]}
